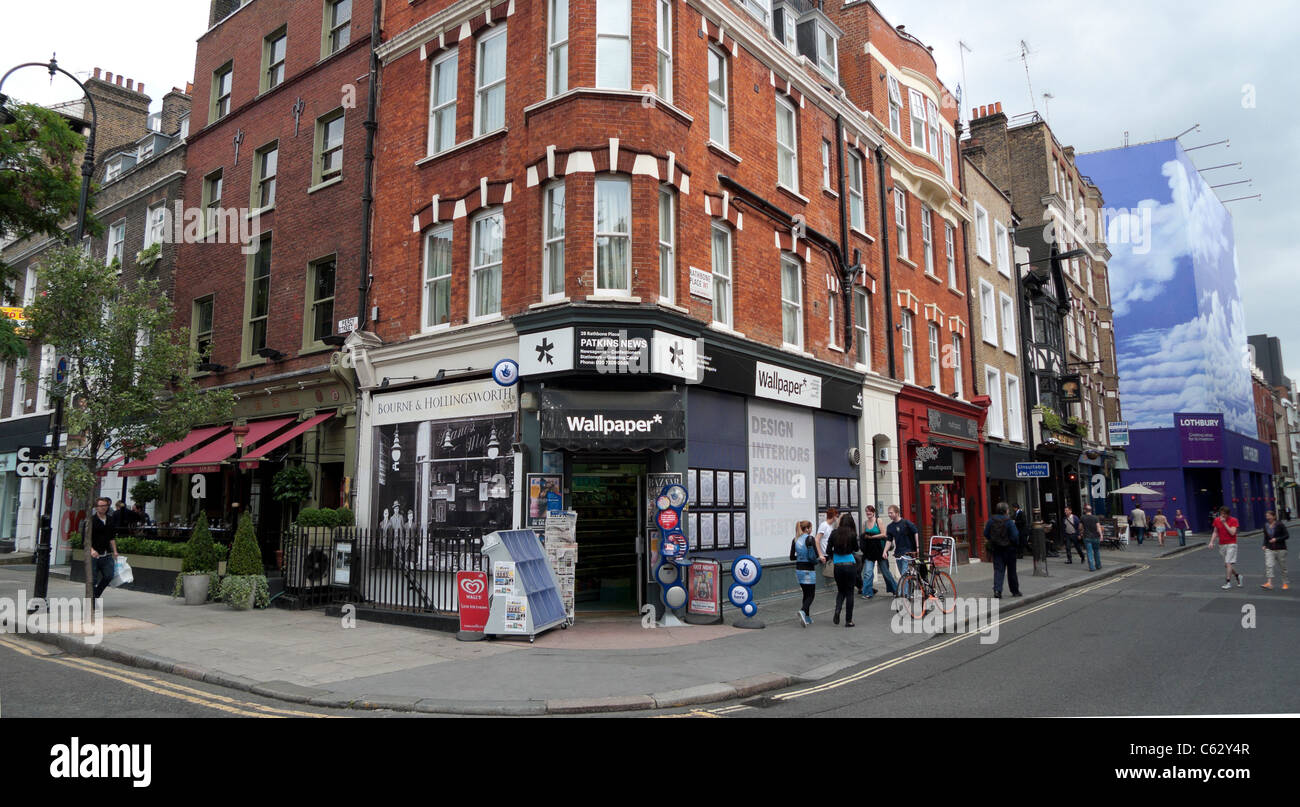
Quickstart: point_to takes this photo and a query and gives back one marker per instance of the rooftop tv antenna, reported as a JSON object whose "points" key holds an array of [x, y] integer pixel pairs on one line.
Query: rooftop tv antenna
{"points": [[1024, 57], [962, 48], [1047, 107]]}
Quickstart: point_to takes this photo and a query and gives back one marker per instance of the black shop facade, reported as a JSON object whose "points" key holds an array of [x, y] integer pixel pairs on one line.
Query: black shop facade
{"points": [[617, 403]]}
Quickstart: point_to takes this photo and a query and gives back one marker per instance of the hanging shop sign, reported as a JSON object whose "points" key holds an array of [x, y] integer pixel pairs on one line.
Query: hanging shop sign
{"points": [[953, 425], [577, 420], [934, 465]]}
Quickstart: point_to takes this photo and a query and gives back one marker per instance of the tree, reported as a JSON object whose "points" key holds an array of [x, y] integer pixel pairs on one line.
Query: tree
{"points": [[128, 369]]}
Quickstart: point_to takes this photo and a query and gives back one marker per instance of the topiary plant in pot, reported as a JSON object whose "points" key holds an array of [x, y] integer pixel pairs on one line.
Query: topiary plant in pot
{"points": [[199, 566], [245, 583]]}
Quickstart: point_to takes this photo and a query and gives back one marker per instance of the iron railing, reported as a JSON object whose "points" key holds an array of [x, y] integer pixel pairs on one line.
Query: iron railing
{"points": [[397, 570]]}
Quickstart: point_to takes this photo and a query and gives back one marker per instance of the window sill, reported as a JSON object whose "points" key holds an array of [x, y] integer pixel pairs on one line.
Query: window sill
{"points": [[315, 347], [257, 212], [663, 303], [798, 351], [956, 292], [987, 260], [721, 150], [254, 362], [1008, 352], [871, 239], [793, 193], [934, 277], [835, 348], [611, 298], [727, 329], [431, 329], [473, 141], [323, 185], [992, 343], [497, 317], [632, 95], [901, 259], [550, 302], [830, 193]]}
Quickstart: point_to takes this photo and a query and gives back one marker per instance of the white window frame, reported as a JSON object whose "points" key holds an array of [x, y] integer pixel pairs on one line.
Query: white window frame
{"points": [[333, 27], [909, 358], [719, 103], [1015, 420], [900, 221], [936, 373], [1002, 242], [826, 165], [551, 240], [438, 106], [947, 158], [832, 318], [155, 224], [956, 366], [950, 246], [862, 326], [895, 107], [993, 425], [982, 247], [857, 199], [792, 307], [787, 154], [1087, 271], [828, 58], [667, 247], [116, 244], [430, 283], [927, 238], [916, 111], [988, 313], [477, 270], [1007, 309], [722, 282], [664, 48], [932, 115], [481, 89], [624, 36], [607, 181], [557, 48]]}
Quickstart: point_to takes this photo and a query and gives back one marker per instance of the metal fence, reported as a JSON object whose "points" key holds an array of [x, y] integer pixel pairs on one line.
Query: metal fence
{"points": [[398, 570]]}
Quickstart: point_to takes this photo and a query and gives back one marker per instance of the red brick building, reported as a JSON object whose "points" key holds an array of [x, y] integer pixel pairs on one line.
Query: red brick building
{"points": [[892, 76], [667, 214], [272, 254]]}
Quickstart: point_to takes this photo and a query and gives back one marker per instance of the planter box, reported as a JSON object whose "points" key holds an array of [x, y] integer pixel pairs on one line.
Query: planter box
{"points": [[154, 574]]}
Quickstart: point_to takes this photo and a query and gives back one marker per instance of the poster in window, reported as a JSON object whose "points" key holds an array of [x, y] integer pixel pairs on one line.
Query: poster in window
{"points": [[737, 488], [723, 489], [739, 537], [724, 530], [821, 491], [706, 488], [693, 486], [706, 531], [844, 493], [693, 530], [853, 492]]}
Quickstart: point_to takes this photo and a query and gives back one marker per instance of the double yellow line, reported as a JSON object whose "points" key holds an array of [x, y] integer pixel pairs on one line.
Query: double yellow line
{"points": [[157, 686]]}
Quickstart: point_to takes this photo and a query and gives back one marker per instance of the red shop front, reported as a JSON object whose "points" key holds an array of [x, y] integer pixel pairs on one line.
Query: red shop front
{"points": [[957, 508]]}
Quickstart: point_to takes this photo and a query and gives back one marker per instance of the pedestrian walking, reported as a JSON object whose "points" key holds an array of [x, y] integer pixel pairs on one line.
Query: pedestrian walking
{"points": [[1275, 536], [900, 538], [1137, 522], [804, 552], [1183, 526], [1225, 532], [1072, 529], [1022, 526], [103, 545], [1003, 538], [872, 544], [1092, 537], [1159, 524], [824, 531], [843, 542]]}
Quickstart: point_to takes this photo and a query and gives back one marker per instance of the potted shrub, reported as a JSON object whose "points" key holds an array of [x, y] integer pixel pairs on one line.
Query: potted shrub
{"points": [[245, 584], [148, 256], [200, 564], [291, 486]]}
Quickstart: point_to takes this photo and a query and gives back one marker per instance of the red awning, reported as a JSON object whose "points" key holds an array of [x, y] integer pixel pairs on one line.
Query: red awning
{"points": [[209, 458], [251, 460], [158, 456], [108, 466]]}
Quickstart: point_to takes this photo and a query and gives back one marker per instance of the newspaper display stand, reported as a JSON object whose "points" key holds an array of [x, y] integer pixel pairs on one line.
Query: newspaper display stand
{"points": [[525, 598], [562, 553]]}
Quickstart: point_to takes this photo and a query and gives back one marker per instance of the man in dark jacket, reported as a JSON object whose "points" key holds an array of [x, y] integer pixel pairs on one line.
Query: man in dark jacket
{"points": [[1275, 536], [1002, 536], [1022, 527], [103, 545], [901, 537]]}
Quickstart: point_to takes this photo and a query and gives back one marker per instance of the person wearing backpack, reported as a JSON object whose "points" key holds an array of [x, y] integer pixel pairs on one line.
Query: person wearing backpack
{"points": [[1003, 538], [806, 555]]}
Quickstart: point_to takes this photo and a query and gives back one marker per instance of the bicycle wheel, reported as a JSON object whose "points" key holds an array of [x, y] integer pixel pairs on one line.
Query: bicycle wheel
{"points": [[912, 593], [945, 591]]}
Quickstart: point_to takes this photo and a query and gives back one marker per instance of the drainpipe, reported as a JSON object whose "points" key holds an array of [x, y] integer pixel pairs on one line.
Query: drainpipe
{"points": [[884, 251], [367, 192], [849, 273]]}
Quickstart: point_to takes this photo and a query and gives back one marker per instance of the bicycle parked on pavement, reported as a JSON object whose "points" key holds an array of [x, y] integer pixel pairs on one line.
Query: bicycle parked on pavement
{"points": [[922, 583]]}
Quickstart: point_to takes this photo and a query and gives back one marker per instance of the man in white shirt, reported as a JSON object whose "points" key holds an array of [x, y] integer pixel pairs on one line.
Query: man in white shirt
{"points": [[828, 526]]}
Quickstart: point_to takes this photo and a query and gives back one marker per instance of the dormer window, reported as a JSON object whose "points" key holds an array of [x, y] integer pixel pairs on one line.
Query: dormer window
{"points": [[818, 39], [756, 7], [827, 53], [783, 27], [113, 170], [145, 150]]}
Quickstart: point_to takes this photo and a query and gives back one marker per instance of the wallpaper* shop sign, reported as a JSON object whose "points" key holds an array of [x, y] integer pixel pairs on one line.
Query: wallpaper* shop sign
{"points": [[790, 386], [467, 399], [601, 424]]}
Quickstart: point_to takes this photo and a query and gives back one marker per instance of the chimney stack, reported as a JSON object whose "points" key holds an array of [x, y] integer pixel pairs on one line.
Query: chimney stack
{"points": [[997, 108], [96, 72], [108, 77]]}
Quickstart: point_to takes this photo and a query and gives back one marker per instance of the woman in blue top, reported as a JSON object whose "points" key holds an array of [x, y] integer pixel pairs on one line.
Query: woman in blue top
{"points": [[807, 556], [842, 543]]}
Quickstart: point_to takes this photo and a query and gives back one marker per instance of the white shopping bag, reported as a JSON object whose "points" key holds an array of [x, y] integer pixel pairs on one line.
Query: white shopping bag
{"points": [[121, 572]]}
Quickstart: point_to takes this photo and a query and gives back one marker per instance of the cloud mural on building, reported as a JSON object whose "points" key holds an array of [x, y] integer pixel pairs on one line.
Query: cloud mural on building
{"points": [[1179, 323]]}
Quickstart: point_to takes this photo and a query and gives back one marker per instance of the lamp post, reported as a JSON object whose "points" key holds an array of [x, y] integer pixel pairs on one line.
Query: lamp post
{"points": [[43, 547]]}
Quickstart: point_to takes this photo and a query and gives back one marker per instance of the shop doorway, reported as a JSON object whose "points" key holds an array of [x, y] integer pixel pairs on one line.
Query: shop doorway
{"points": [[609, 501]]}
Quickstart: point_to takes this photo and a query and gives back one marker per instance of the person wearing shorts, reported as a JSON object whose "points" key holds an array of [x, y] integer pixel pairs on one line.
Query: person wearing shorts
{"points": [[1225, 532]]}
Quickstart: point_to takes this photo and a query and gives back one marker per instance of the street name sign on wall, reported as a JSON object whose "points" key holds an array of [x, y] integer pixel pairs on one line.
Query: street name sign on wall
{"points": [[1032, 470]]}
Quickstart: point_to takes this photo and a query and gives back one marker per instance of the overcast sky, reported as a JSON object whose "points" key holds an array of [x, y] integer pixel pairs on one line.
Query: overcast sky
{"points": [[1150, 68]]}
